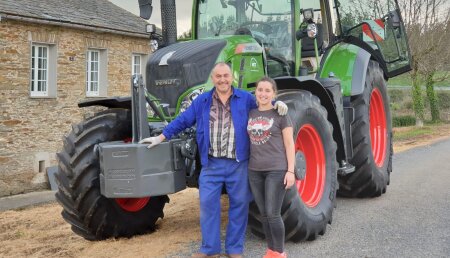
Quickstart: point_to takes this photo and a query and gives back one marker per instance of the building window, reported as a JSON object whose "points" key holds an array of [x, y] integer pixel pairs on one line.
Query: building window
{"points": [[96, 73], [138, 64], [43, 70], [39, 70], [136, 69], [92, 72]]}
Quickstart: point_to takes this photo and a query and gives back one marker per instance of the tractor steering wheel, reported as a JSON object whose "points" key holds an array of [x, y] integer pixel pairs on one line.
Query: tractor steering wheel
{"points": [[261, 27]]}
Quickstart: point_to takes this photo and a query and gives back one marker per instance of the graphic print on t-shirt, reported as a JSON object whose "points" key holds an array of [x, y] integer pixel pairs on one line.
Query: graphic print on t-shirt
{"points": [[259, 129]]}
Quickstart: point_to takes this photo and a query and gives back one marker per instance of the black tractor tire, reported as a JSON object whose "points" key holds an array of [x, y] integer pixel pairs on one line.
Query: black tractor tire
{"points": [[305, 214], [371, 139], [90, 214]]}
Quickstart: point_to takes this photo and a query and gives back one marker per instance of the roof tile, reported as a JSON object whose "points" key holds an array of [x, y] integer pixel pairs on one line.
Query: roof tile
{"points": [[94, 13]]}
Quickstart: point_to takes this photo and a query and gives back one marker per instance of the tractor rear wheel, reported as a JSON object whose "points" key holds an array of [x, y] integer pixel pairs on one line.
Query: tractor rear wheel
{"points": [[92, 215], [308, 206], [372, 139]]}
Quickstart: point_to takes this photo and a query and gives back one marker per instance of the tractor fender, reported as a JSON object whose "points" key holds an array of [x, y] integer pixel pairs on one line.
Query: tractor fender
{"points": [[359, 71], [348, 62], [113, 102], [326, 99]]}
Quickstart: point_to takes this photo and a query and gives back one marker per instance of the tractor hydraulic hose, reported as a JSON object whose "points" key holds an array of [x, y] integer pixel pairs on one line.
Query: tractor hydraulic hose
{"points": [[156, 109], [316, 51]]}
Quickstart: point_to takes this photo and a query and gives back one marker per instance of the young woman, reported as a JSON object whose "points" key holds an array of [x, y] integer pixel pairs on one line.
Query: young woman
{"points": [[271, 164]]}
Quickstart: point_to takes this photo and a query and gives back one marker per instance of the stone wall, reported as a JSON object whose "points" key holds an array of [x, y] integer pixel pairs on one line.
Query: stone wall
{"points": [[31, 129]]}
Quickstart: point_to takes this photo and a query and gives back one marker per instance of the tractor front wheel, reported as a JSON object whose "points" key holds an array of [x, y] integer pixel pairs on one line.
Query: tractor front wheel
{"points": [[308, 206], [371, 138], [92, 215]]}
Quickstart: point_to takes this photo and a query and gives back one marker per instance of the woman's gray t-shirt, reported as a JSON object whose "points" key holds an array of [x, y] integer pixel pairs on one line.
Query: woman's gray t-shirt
{"points": [[267, 152]]}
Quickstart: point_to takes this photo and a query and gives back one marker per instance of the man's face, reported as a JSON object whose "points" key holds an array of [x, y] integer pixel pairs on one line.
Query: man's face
{"points": [[222, 78]]}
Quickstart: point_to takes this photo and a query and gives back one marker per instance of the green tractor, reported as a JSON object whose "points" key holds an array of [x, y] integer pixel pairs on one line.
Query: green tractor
{"points": [[331, 60]]}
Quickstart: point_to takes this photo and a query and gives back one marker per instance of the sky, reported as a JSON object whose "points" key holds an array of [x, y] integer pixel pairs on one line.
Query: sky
{"points": [[184, 12]]}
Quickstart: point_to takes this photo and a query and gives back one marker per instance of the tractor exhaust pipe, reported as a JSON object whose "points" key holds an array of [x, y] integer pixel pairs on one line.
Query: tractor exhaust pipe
{"points": [[168, 18], [169, 21]]}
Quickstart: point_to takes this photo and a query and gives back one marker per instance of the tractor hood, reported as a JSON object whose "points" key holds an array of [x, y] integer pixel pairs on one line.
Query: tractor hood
{"points": [[172, 70]]}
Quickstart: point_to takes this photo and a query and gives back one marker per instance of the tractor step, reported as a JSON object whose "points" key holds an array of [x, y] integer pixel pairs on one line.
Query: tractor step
{"points": [[345, 169]]}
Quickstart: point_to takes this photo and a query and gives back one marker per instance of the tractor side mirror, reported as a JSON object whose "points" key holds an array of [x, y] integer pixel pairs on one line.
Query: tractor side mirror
{"points": [[308, 14], [224, 3], [145, 9], [394, 19]]}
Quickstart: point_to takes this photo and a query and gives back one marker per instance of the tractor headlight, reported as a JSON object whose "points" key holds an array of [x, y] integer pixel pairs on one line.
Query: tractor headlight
{"points": [[187, 101], [311, 30], [153, 45]]}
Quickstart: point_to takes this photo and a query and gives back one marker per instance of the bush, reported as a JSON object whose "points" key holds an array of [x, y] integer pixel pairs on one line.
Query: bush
{"points": [[395, 106], [444, 99], [400, 121], [409, 105], [396, 95]]}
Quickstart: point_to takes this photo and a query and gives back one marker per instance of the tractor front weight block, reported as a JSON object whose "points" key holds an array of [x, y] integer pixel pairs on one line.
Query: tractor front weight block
{"points": [[130, 170]]}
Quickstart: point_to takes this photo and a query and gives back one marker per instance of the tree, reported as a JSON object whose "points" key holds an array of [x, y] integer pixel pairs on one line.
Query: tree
{"points": [[426, 22], [433, 66]]}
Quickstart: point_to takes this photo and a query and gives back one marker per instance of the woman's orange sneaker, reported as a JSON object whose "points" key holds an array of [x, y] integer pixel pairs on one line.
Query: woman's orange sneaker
{"points": [[274, 254]]}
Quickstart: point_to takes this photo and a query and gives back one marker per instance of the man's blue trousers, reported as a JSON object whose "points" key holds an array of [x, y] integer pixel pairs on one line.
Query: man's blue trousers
{"points": [[234, 175]]}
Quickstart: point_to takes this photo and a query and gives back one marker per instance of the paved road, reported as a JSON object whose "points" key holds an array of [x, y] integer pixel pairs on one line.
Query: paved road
{"points": [[411, 220], [25, 200]]}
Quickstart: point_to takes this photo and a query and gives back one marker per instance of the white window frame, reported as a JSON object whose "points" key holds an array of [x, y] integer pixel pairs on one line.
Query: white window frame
{"points": [[93, 70], [39, 71], [134, 64], [96, 73], [143, 60]]}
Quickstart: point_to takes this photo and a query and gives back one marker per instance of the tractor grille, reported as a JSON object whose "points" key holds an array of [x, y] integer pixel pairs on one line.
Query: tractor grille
{"points": [[174, 69]]}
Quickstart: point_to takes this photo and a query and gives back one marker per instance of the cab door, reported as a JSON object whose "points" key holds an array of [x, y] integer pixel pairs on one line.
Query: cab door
{"points": [[379, 25]]}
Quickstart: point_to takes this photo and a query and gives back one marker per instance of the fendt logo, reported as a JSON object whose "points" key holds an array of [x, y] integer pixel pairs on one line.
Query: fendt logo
{"points": [[168, 82]]}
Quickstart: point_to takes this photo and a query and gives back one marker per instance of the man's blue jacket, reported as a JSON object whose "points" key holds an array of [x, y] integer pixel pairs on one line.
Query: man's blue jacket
{"points": [[198, 113]]}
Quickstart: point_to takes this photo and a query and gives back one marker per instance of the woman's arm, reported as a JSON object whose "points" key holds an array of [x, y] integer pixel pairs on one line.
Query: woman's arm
{"points": [[288, 141]]}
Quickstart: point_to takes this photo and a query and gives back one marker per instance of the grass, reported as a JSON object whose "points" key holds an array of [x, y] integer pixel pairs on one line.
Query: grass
{"points": [[428, 131], [405, 80], [412, 133]]}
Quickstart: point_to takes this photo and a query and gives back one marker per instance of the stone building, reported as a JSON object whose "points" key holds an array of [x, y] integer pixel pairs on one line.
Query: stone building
{"points": [[54, 54]]}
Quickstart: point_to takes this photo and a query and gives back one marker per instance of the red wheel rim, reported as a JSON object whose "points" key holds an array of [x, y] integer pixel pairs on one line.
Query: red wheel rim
{"points": [[311, 187], [132, 204], [378, 129]]}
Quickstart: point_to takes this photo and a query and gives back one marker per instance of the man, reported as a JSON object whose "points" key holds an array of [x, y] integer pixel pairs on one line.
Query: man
{"points": [[221, 116]]}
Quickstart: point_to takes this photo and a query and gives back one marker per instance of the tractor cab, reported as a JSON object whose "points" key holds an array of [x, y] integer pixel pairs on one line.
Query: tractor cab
{"points": [[270, 23], [296, 34], [376, 27]]}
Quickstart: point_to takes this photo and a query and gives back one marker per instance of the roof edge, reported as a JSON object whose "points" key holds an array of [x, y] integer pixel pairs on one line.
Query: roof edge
{"points": [[15, 17]]}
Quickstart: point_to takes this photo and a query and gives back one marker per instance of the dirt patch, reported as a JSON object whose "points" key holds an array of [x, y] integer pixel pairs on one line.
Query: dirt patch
{"points": [[41, 231], [410, 137]]}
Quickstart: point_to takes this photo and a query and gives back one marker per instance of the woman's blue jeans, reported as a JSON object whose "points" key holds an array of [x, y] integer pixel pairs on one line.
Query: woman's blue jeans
{"points": [[268, 190]]}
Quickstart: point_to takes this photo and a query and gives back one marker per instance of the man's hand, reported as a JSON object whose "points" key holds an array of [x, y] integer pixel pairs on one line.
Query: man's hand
{"points": [[153, 141], [281, 108]]}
